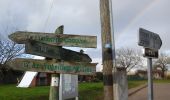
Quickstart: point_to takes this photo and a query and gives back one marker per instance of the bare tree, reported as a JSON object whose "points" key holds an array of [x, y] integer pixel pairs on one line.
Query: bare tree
{"points": [[128, 58], [8, 51], [161, 63]]}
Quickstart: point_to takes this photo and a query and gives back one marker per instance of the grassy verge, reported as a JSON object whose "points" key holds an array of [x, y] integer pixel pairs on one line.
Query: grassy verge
{"points": [[87, 91], [91, 91], [133, 84], [11, 92], [162, 81]]}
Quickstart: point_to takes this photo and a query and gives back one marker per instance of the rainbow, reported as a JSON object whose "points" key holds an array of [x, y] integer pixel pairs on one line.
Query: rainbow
{"points": [[138, 16]]}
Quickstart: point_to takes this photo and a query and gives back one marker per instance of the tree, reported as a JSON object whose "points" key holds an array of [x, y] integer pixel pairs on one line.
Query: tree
{"points": [[128, 58], [161, 63], [8, 51]]}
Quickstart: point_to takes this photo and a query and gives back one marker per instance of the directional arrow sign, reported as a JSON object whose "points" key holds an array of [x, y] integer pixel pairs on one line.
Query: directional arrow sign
{"points": [[149, 39], [51, 66], [55, 39], [41, 49]]}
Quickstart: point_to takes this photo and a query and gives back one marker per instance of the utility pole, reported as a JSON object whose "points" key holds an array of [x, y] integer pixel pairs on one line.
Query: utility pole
{"points": [[108, 52]]}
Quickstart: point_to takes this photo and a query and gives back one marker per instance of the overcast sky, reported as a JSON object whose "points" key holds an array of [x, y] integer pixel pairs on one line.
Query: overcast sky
{"points": [[83, 17]]}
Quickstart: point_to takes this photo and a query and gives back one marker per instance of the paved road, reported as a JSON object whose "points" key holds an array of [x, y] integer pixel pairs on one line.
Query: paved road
{"points": [[161, 92]]}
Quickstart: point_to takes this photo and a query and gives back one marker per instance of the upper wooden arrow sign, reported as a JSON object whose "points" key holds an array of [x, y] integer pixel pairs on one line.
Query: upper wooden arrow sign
{"points": [[41, 49], [55, 39], [52, 67]]}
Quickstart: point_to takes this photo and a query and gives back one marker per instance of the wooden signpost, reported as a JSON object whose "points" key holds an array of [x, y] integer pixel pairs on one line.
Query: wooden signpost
{"points": [[42, 49], [58, 59], [52, 66], [55, 39]]}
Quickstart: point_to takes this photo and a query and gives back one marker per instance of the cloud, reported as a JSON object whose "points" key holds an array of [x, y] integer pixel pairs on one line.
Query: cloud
{"points": [[155, 19], [83, 17]]}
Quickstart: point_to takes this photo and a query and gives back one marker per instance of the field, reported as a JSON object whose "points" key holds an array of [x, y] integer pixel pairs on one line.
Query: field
{"points": [[87, 91]]}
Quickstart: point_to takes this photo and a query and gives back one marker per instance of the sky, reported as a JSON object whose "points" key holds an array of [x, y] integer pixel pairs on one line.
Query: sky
{"points": [[82, 17]]}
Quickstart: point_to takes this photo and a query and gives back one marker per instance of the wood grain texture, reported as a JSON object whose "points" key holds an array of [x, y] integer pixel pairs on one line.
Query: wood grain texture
{"points": [[54, 90], [55, 39], [106, 52], [42, 49], [51, 66]]}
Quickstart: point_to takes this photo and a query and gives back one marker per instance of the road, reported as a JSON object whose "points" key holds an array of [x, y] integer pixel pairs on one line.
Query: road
{"points": [[161, 92]]}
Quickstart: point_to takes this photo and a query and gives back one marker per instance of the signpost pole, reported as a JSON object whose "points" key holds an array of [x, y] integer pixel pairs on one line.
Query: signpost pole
{"points": [[55, 78], [150, 81], [54, 88]]}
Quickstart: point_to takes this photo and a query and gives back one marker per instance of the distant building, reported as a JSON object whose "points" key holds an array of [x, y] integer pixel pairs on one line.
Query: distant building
{"points": [[44, 79], [41, 79], [142, 74]]}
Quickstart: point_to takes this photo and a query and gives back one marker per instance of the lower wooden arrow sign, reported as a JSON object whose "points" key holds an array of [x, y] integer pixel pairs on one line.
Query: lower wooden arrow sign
{"points": [[52, 67], [41, 49]]}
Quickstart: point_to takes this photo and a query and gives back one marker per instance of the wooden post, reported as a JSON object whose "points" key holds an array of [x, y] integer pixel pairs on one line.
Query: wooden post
{"points": [[55, 78], [54, 88], [106, 49]]}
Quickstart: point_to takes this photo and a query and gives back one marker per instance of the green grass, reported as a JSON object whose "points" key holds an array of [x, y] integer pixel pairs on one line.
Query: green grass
{"points": [[162, 81], [87, 91], [91, 91], [11, 92], [135, 83]]}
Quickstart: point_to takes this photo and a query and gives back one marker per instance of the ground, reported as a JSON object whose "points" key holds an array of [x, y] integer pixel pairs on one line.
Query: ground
{"points": [[87, 91], [161, 92]]}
